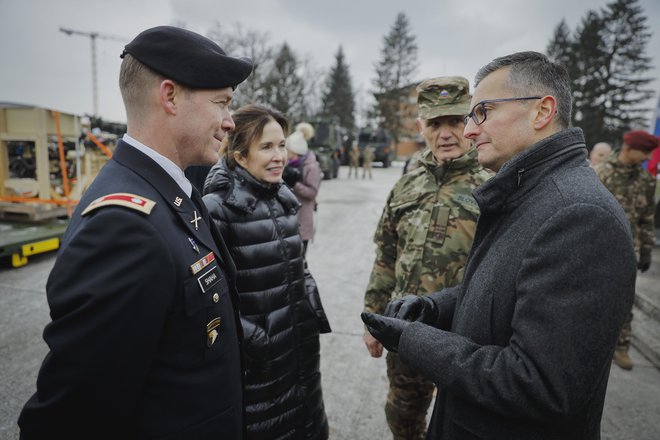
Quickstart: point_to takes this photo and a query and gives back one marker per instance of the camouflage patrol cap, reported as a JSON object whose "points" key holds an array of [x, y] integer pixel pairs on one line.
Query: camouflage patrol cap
{"points": [[443, 96]]}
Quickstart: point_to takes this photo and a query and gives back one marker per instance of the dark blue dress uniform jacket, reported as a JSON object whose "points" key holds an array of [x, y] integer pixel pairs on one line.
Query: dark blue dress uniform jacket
{"points": [[133, 352]]}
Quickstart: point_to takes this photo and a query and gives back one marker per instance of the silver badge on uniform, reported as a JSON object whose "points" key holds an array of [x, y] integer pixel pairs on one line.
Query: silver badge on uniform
{"points": [[194, 245], [195, 220]]}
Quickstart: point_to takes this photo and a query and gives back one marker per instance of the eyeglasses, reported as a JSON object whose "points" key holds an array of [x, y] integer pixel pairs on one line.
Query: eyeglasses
{"points": [[479, 112]]}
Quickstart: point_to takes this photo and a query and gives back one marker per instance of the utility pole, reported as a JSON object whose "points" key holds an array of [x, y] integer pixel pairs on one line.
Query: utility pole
{"points": [[93, 36]]}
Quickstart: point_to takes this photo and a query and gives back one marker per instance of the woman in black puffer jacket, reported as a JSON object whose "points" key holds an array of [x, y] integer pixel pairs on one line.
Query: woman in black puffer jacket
{"points": [[281, 311]]}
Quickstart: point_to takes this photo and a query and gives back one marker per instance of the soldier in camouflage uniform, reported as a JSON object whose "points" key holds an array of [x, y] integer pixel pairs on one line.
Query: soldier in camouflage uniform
{"points": [[367, 161], [354, 160], [413, 161], [634, 189], [424, 235]]}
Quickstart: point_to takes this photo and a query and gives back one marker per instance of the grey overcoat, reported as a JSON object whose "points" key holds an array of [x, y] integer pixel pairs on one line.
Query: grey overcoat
{"points": [[534, 323]]}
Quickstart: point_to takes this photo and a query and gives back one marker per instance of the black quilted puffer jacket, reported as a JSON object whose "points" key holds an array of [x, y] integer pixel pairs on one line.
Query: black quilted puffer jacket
{"points": [[281, 312]]}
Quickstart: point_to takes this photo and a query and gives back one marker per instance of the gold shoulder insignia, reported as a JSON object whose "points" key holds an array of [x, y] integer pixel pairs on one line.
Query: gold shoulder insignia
{"points": [[122, 199]]}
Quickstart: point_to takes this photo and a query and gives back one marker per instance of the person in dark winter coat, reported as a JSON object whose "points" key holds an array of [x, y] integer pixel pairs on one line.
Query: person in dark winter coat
{"points": [[281, 311], [522, 348]]}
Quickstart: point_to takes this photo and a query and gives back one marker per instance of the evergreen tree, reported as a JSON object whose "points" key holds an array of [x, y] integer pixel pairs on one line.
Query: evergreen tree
{"points": [[560, 48], [587, 78], [283, 87], [626, 38], [338, 99], [607, 63], [394, 72]]}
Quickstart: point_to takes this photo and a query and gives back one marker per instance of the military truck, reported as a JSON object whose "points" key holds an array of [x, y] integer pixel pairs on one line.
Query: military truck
{"points": [[380, 141], [326, 144]]}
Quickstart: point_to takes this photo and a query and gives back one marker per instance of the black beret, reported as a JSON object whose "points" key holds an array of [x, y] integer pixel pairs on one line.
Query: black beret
{"points": [[188, 58]]}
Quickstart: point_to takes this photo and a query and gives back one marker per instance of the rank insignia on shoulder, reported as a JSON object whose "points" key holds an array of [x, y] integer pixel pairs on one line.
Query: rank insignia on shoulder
{"points": [[126, 200]]}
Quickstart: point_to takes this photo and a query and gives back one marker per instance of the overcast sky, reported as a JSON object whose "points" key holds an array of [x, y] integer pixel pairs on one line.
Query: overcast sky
{"points": [[42, 66]]}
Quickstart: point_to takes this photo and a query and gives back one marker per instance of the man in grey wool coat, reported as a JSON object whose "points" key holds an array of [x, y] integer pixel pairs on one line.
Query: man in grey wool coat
{"points": [[522, 348]]}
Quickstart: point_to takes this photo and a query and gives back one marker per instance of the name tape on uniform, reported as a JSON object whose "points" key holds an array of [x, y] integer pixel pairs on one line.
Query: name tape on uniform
{"points": [[209, 279]]}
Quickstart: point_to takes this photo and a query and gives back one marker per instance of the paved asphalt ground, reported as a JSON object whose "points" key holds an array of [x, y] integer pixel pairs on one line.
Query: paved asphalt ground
{"points": [[354, 384]]}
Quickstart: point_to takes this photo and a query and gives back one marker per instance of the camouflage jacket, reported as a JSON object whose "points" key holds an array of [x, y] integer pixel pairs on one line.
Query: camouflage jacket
{"points": [[414, 161], [426, 230], [634, 189], [368, 155]]}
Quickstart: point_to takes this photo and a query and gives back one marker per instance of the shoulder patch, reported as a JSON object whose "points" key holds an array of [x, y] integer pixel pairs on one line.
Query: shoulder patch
{"points": [[126, 200], [466, 199]]}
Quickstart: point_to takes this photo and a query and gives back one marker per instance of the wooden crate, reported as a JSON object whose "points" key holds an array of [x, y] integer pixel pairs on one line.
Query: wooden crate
{"points": [[30, 212]]}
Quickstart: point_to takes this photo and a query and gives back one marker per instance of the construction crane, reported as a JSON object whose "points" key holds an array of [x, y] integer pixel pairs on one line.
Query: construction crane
{"points": [[93, 36]]}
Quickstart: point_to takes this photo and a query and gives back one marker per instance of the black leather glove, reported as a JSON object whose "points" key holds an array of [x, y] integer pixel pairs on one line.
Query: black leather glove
{"points": [[413, 308], [386, 330], [644, 261], [291, 176]]}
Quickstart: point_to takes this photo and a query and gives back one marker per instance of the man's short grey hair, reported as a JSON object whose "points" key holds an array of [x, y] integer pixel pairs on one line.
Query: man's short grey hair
{"points": [[531, 74]]}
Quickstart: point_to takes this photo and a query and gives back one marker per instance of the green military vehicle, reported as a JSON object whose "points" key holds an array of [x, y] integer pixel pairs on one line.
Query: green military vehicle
{"points": [[326, 144], [380, 141]]}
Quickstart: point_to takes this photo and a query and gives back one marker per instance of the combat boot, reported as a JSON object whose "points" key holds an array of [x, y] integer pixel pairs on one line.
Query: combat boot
{"points": [[622, 359]]}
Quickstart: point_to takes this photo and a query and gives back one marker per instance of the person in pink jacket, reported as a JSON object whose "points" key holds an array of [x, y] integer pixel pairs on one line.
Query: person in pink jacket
{"points": [[303, 174]]}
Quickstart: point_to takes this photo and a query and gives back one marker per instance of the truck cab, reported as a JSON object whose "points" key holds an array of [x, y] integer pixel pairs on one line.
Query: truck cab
{"points": [[380, 141]]}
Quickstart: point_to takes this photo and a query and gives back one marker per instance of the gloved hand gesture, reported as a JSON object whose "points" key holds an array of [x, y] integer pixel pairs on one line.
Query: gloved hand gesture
{"points": [[386, 330], [291, 175], [413, 308], [644, 261]]}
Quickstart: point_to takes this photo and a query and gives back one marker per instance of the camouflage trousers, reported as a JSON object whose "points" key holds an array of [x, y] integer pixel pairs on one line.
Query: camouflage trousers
{"points": [[366, 169], [353, 167], [625, 334], [408, 400]]}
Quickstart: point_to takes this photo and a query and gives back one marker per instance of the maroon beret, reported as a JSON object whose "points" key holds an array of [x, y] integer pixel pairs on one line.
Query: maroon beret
{"points": [[640, 140], [188, 58]]}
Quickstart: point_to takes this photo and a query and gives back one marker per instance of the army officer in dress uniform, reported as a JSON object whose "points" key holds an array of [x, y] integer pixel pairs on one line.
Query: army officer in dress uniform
{"points": [[145, 338]]}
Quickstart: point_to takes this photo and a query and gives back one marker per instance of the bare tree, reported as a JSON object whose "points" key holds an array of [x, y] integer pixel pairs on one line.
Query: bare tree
{"points": [[239, 41]]}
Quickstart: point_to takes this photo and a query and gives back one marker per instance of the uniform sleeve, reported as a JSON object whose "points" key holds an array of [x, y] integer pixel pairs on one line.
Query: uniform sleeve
{"points": [[647, 219], [564, 324], [383, 280], [109, 292]]}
